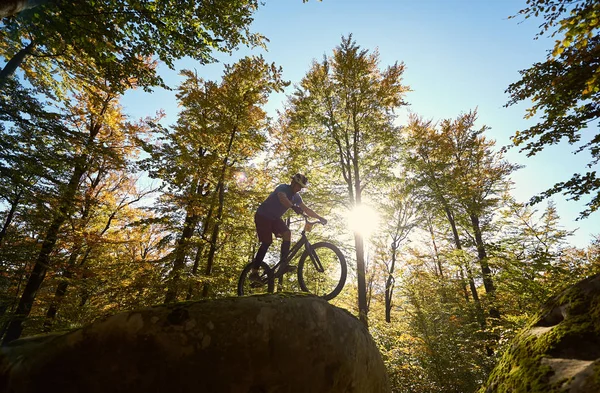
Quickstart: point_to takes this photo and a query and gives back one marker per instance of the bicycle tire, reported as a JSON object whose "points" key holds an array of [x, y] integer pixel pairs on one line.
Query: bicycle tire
{"points": [[244, 287], [334, 277]]}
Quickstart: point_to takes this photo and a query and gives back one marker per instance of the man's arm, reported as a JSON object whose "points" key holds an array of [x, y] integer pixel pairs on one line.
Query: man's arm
{"points": [[309, 212], [284, 200]]}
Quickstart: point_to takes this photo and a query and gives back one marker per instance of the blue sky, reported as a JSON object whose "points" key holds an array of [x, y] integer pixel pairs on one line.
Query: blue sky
{"points": [[459, 55]]}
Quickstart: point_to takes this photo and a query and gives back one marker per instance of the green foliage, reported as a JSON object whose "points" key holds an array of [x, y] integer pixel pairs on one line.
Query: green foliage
{"points": [[449, 346], [342, 115], [565, 88], [533, 260], [347, 99], [117, 39], [220, 128]]}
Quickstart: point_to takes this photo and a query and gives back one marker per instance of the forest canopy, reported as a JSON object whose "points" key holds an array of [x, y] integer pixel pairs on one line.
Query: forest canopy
{"points": [[102, 210]]}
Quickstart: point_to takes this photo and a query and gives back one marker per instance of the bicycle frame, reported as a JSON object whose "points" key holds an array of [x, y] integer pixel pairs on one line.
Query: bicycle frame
{"points": [[303, 241]]}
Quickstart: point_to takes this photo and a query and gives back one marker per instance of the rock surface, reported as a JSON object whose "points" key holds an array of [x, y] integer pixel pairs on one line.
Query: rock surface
{"points": [[559, 351], [257, 344]]}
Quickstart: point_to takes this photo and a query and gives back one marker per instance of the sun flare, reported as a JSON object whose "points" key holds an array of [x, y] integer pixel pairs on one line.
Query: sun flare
{"points": [[363, 219]]}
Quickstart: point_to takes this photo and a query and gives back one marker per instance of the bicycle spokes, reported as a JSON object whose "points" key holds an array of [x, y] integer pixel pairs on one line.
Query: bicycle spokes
{"points": [[325, 274], [246, 286], [314, 257]]}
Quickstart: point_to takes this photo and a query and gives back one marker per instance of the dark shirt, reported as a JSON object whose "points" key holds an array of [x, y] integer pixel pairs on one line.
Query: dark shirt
{"points": [[272, 207]]}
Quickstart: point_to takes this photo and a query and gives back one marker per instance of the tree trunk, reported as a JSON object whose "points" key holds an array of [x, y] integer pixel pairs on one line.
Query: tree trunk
{"points": [[15, 326], [59, 294], [458, 244], [488, 283], [61, 289], [389, 285], [10, 216], [189, 227], [214, 237], [14, 63], [463, 284], [216, 229], [199, 254], [437, 260], [361, 281]]}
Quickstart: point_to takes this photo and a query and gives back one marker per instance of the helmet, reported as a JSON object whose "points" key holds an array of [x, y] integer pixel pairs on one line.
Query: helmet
{"points": [[300, 179]]}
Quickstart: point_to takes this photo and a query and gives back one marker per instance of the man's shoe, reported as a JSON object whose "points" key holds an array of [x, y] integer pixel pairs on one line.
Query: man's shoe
{"points": [[254, 277]]}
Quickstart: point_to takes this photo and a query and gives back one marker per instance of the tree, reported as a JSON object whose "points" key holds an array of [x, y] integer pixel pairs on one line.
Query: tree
{"points": [[461, 171], [428, 164], [344, 111], [220, 128], [481, 178], [93, 132], [401, 221], [530, 256], [566, 90], [107, 193], [22, 149], [116, 38]]}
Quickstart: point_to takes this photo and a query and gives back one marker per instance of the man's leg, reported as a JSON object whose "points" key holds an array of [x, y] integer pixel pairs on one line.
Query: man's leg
{"points": [[264, 232], [285, 246], [260, 255]]}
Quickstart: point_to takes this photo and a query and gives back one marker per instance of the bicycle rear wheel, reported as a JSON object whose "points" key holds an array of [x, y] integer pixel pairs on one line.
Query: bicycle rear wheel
{"points": [[328, 281], [247, 287]]}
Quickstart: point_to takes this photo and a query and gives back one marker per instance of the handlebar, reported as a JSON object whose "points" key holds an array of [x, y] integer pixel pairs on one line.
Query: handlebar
{"points": [[311, 222]]}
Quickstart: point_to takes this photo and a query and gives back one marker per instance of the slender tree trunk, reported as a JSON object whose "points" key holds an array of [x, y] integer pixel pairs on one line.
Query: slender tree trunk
{"points": [[189, 227], [463, 283], [361, 279], [488, 283], [197, 258], [437, 260], [61, 289], [199, 252], [470, 278], [15, 326], [59, 294], [482, 256], [389, 284], [214, 239], [216, 228], [458, 244], [10, 216]]}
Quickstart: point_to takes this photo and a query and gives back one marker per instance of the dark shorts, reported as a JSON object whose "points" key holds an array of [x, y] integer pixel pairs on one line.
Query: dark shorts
{"points": [[265, 227]]}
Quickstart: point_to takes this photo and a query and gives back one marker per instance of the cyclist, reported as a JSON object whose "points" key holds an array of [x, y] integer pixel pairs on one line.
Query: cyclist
{"points": [[268, 221]]}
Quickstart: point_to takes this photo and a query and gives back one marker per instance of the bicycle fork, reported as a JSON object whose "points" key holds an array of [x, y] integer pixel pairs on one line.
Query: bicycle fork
{"points": [[314, 258]]}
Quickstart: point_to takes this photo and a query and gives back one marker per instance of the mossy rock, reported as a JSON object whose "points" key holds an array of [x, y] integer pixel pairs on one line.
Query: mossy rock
{"points": [[269, 343], [560, 349]]}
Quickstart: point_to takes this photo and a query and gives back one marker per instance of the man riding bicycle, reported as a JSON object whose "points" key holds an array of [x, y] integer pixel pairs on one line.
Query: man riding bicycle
{"points": [[268, 221]]}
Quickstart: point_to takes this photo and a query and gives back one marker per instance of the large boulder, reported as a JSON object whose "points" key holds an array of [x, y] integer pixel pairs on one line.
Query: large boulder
{"points": [[559, 351], [270, 343]]}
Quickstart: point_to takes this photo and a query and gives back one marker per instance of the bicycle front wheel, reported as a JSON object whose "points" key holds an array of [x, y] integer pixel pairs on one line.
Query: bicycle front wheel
{"points": [[247, 287], [323, 271]]}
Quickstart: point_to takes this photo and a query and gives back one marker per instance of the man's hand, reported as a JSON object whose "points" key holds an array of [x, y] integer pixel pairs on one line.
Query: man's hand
{"points": [[297, 209], [323, 220]]}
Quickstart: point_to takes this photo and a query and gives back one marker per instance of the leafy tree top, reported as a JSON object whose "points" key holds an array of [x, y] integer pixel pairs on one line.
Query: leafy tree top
{"points": [[565, 88], [119, 36]]}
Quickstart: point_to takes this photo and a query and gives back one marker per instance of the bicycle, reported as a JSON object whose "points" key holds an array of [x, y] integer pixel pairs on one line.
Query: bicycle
{"points": [[321, 270]]}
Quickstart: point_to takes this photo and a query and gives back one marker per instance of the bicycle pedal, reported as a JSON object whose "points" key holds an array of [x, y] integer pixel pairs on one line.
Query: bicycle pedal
{"points": [[258, 284]]}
